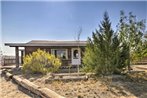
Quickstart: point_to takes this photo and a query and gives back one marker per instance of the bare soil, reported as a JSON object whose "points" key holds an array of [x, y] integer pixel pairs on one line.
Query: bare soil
{"points": [[10, 90], [96, 88], [132, 85]]}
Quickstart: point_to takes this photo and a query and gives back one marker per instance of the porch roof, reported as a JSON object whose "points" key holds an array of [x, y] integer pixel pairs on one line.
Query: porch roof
{"points": [[47, 43]]}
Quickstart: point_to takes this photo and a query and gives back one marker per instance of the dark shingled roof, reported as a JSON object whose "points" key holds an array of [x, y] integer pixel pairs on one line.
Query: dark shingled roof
{"points": [[48, 43]]}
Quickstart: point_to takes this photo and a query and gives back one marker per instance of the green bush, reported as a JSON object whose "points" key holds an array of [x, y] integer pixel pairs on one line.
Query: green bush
{"points": [[105, 54], [41, 62]]}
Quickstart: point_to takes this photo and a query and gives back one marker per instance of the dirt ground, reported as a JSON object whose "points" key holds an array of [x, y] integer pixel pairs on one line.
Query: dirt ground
{"points": [[10, 90], [120, 88], [133, 85]]}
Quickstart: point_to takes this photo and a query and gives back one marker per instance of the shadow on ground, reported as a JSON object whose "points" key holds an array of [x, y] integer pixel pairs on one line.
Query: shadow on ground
{"points": [[132, 83]]}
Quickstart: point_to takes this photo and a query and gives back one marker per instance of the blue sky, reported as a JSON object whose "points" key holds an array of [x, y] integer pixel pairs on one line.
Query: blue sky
{"points": [[25, 21]]}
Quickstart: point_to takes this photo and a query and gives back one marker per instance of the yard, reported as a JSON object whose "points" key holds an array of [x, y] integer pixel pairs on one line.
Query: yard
{"points": [[133, 85], [96, 88], [10, 90]]}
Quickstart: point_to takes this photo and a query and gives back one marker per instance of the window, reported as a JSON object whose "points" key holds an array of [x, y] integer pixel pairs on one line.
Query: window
{"points": [[76, 54], [60, 53]]}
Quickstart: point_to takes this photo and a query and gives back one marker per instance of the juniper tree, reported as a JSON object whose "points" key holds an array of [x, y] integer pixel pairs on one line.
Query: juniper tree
{"points": [[103, 49], [130, 32]]}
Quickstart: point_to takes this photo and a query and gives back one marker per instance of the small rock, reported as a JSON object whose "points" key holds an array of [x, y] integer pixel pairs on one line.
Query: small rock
{"points": [[125, 92], [79, 96], [66, 93]]}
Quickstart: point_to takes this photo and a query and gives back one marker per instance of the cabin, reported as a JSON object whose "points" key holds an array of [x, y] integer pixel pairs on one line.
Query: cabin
{"points": [[70, 52]]}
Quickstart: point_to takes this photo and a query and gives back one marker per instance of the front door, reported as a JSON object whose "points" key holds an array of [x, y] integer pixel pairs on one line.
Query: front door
{"points": [[76, 56]]}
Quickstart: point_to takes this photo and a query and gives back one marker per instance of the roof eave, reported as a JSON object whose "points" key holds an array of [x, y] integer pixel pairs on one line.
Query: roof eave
{"points": [[15, 44], [43, 45]]}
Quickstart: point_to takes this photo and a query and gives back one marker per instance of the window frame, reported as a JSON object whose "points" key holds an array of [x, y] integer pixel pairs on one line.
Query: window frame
{"points": [[66, 52]]}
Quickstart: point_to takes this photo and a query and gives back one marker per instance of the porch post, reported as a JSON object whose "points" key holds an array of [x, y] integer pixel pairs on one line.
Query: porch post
{"points": [[17, 56], [22, 56]]}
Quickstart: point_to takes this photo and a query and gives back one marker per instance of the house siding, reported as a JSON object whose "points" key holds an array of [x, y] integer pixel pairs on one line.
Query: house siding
{"points": [[30, 49]]}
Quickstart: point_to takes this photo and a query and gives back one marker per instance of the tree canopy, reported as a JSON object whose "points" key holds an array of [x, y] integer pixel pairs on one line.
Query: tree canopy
{"points": [[107, 51]]}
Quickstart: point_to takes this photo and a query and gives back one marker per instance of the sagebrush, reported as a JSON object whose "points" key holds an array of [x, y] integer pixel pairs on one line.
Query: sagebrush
{"points": [[41, 62]]}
